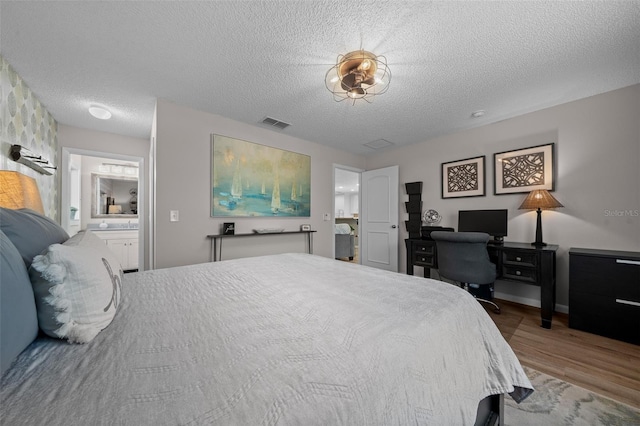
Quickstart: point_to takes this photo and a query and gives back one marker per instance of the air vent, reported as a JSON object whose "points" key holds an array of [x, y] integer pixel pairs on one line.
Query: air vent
{"points": [[378, 144], [275, 123]]}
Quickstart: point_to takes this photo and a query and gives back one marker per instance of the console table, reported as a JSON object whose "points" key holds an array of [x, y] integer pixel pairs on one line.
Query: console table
{"points": [[216, 256], [514, 261]]}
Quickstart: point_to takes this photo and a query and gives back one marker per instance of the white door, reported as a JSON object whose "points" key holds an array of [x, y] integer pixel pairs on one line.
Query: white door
{"points": [[379, 218], [120, 250], [133, 254]]}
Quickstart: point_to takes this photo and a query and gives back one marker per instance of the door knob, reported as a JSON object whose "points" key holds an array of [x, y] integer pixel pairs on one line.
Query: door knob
{"points": [[393, 226]]}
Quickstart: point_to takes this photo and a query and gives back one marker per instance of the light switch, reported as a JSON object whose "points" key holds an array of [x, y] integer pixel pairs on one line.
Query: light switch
{"points": [[174, 216], [327, 216]]}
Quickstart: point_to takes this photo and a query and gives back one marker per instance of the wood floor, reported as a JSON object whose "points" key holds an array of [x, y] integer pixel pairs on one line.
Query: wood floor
{"points": [[606, 366]]}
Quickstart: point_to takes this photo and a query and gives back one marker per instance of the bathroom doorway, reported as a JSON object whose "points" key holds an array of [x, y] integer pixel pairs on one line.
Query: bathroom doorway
{"points": [[88, 180]]}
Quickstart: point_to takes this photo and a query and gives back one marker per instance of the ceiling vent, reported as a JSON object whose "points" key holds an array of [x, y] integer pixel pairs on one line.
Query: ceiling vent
{"points": [[378, 144], [275, 123]]}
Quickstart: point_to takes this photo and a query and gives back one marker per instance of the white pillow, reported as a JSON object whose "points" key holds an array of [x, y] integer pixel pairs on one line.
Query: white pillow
{"points": [[77, 288]]}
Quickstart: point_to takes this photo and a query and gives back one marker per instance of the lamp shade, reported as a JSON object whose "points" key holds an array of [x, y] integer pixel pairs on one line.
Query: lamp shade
{"points": [[18, 191], [115, 209], [539, 199]]}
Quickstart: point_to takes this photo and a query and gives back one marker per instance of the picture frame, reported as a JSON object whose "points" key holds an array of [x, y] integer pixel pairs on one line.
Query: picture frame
{"points": [[228, 228], [463, 178], [253, 180], [524, 170], [305, 227]]}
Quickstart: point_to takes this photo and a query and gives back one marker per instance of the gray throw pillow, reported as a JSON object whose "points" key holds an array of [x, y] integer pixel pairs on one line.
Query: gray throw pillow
{"points": [[18, 318], [30, 232]]}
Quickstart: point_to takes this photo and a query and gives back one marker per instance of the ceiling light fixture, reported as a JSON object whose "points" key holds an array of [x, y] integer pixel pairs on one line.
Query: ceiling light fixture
{"points": [[358, 75], [477, 114], [99, 112]]}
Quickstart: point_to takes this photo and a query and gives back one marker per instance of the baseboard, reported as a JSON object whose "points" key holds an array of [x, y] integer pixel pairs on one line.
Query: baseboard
{"points": [[528, 301]]}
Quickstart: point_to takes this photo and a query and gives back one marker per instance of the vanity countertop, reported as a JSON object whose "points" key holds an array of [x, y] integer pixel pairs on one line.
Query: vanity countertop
{"points": [[95, 227]]}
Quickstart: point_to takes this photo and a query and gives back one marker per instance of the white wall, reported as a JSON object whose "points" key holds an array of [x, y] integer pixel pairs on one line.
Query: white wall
{"points": [[348, 203], [339, 205], [183, 182], [598, 173]]}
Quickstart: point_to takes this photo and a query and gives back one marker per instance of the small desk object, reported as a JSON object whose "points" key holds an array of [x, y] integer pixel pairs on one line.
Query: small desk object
{"points": [[521, 262], [216, 256]]}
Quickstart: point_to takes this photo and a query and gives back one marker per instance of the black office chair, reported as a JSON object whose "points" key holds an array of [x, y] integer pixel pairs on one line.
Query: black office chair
{"points": [[463, 257]]}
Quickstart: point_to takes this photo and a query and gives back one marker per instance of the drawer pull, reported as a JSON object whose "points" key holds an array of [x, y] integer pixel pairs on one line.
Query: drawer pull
{"points": [[628, 302], [628, 262], [518, 273], [519, 259]]}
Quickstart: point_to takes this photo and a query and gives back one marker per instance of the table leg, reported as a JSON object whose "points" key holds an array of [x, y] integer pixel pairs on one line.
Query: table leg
{"points": [[547, 288]]}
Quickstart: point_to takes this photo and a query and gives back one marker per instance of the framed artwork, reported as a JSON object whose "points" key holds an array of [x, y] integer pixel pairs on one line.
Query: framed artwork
{"points": [[463, 178], [228, 228], [523, 170], [251, 180]]}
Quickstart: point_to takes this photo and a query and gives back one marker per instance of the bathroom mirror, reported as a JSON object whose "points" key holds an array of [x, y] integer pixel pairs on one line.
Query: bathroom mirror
{"points": [[114, 196]]}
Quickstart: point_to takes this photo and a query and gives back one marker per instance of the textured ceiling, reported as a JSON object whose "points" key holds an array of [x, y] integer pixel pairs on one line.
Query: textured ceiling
{"points": [[250, 59]]}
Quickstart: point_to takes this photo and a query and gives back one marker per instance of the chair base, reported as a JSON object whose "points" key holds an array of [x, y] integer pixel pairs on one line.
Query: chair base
{"points": [[495, 306]]}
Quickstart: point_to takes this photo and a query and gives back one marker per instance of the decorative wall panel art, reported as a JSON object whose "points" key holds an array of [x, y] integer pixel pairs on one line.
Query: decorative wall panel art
{"points": [[463, 178], [251, 180], [524, 170]]}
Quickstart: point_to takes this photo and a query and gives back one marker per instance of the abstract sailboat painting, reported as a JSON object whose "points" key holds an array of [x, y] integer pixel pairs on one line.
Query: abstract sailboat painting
{"points": [[250, 180]]}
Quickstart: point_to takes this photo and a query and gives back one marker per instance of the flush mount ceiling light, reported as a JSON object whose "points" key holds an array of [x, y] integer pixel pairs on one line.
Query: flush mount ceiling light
{"points": [[358, 75], [99, 112]]}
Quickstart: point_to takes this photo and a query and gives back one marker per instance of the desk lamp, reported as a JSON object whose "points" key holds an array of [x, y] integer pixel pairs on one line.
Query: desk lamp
{"points": [[18, 191], [539, 199]]}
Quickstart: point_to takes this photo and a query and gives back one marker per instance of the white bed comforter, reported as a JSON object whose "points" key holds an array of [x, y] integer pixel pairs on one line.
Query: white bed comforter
{"points": [[289, 339]]}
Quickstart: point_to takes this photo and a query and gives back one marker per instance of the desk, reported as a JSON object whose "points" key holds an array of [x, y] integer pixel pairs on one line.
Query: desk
{"points": [[519, 262], [214, 256]]}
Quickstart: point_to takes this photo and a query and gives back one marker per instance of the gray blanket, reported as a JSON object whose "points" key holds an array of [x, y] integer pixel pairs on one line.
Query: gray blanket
{"points": [[290, 339]]}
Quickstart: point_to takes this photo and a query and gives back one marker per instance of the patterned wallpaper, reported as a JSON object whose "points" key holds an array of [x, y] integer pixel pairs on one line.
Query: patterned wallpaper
{"points": [[25, 121]]}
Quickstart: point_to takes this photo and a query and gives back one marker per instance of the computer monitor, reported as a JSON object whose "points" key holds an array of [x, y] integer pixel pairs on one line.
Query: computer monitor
{"points": [[492, 222]]}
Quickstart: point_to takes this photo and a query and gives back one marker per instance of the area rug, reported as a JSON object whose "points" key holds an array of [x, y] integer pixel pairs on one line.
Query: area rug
{"points": [[556, 402]]}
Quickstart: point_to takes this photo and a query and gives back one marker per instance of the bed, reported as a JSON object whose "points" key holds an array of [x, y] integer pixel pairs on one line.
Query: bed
{"points": [[291, 339]]}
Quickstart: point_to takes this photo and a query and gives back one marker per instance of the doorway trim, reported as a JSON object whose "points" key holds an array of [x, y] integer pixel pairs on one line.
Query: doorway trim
{"points": [[65, 188]]}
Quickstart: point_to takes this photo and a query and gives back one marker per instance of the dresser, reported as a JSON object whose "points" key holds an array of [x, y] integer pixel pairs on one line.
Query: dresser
{"points": [[604, 293], [520, 262]]}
